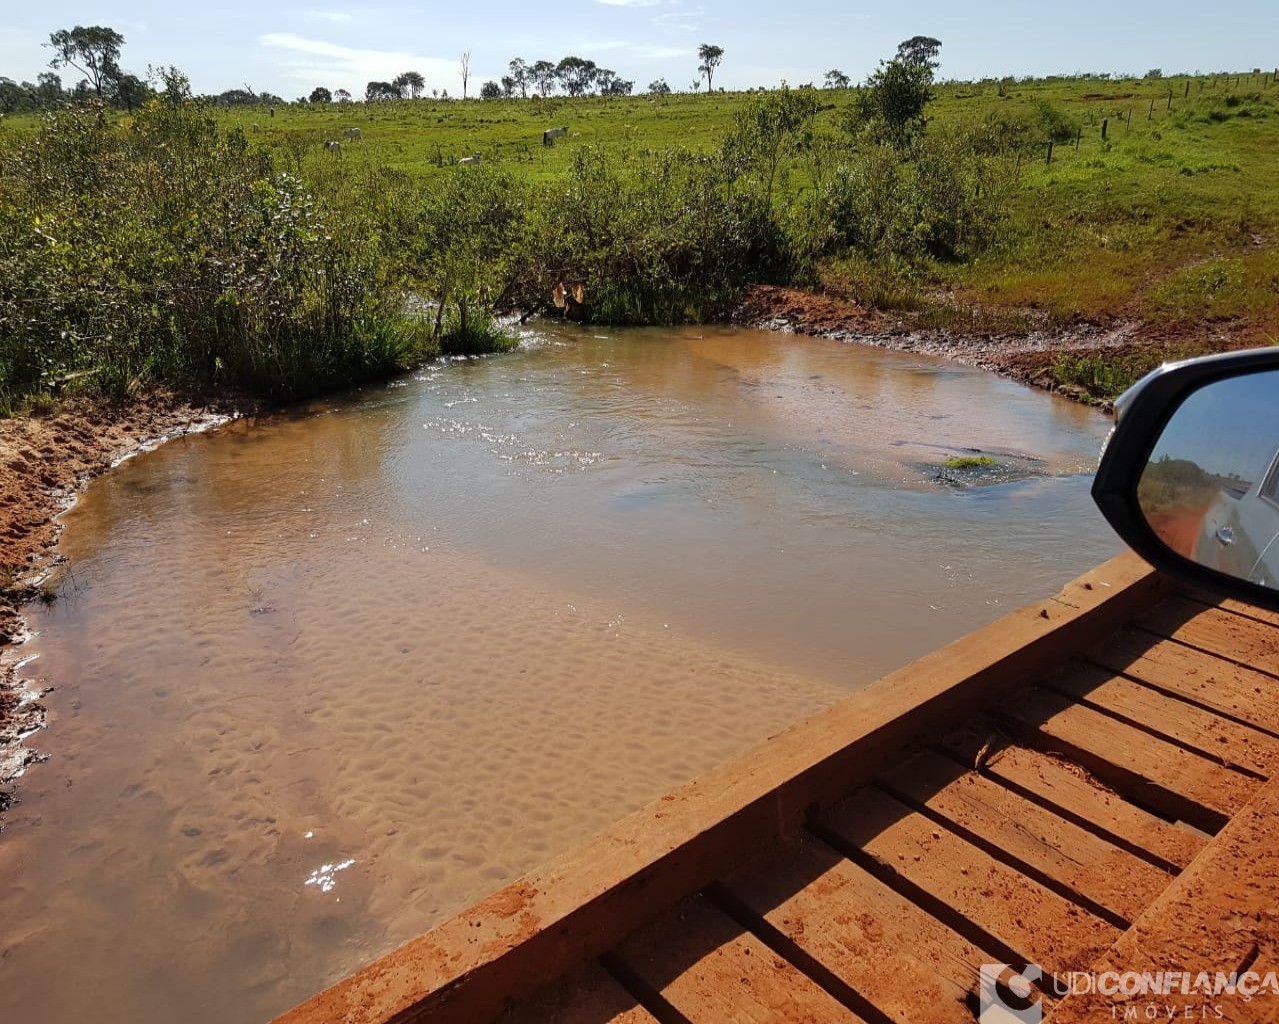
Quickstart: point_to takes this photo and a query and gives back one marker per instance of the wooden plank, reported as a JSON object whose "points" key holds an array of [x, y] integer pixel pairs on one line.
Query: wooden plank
{"points": [[1148, 770], [1222, 913], [1013, 829], [588, 995], [1229, 604], [711, 970], [1216, 738], [967, 884], [1234, 637], [579, 905], [1186, 672], [891, 953], [1069, 788]]}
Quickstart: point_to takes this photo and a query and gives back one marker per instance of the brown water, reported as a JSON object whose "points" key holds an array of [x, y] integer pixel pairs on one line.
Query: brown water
{"points": [[327, 678]]}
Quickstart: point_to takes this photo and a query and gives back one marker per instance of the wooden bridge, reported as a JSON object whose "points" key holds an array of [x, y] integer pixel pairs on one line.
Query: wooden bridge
{"points": [[1088, 783]]}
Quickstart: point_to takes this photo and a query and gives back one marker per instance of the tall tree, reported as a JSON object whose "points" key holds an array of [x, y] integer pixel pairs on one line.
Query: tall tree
{"points": [[710, 57], [576, 75], [921, 51], [342, 96], [658, 87], [466, 70], [490, 90], [836, 79], [93, 51], [321, 95], [411, 83], [543, 73], [520, 74]]}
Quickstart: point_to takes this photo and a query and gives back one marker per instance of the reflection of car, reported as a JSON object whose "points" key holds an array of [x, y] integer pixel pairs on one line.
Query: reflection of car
{"points": [[1240, 534]]}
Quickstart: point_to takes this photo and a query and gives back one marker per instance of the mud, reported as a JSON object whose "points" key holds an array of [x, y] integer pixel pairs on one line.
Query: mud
{"points": [[1026, 357], [44, 461]]}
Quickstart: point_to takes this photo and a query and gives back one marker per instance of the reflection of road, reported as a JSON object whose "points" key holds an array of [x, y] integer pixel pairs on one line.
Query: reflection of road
{"points": [[1179, 529]]}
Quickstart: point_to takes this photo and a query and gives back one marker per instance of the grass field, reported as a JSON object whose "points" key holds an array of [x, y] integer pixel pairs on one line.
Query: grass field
{"points": [[1171, 217]]}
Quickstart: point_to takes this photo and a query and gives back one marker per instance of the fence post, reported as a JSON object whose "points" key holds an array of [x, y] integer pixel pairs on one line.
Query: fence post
{"points": [[1169, 107], [1050, 153], [1104, 122], [1128, 126], [1151, 112], [1078, 138], [1187, 87]]}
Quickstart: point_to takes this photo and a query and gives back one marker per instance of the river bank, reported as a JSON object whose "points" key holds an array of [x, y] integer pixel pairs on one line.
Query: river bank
{"points": [[44, 461], [1088, 360]]}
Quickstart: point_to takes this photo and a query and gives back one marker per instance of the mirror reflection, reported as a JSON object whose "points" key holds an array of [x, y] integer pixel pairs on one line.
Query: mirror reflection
{"points": [[1211, 488]]}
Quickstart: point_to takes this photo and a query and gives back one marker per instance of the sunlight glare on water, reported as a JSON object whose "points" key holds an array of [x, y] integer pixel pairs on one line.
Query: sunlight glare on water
{"points": [[326, 678]]}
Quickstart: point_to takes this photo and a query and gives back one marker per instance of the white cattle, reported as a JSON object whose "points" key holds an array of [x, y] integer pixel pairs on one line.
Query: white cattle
{"points": [[352, 133], [474, 158], [551, 134], [333, 146]]}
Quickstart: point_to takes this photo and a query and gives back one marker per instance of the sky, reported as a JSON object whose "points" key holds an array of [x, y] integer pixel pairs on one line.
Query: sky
{"points": [[290, 47]]}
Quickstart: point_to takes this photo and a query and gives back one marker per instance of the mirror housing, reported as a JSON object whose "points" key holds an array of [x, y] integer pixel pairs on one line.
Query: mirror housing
{"points": [[1145, 459]]}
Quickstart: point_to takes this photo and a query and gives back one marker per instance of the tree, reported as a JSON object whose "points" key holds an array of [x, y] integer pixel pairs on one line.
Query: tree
{"points": [[892, 104], [921, 51], [576, 75], [466, 70], [93, 51], [521, 74], [836, 79], [658, 87], [375, 91], [131, 91], [543, 73], [321, 95], [490, 90], [769, 126], [409, 85], [48, 89], [610, 84], [342, 96], [710, 57], [508, 86]]}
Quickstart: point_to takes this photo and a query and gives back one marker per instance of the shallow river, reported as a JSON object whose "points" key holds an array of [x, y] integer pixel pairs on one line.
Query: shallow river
{"points": [[326, 678]]}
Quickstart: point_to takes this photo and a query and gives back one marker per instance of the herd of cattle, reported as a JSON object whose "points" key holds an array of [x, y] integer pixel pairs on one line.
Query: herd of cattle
{"points": [[352, 134]]}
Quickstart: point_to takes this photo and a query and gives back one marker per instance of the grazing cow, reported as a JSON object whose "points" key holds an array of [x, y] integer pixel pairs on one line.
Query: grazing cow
{"points": [[352, 133], [474, 158], [333, 146], [551, 134], [256, 127]]}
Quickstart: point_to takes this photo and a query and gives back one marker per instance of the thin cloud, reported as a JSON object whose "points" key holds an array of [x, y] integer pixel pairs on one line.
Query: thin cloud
{"points": [[332, 63], [334, 16]]}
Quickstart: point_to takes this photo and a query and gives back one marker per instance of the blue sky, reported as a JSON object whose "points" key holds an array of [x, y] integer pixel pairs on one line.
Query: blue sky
{"points": [[292, 46]]}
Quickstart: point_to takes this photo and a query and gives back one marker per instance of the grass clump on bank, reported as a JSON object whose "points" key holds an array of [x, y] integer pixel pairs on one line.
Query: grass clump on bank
{"points": [[969, 461]]}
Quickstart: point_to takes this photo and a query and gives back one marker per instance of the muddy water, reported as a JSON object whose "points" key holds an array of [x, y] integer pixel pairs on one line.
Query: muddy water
{"points": [[327, 678]]}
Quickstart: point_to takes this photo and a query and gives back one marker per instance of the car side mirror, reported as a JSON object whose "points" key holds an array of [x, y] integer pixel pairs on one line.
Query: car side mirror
{"points": [[1189, 477]]}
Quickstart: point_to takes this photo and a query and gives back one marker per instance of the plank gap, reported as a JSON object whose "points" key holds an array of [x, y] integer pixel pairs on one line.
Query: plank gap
{"points": [[1217, 760], [786, 947], [1082, 820], [1004, 856], [644, 993], [958, 922]]}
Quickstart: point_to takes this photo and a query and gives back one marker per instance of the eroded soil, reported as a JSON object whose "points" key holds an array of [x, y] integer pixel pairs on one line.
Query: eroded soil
{"points": [[1027, 356]]}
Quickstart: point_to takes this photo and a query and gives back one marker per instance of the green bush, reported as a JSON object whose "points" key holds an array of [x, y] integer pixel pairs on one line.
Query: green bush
{"points": [[166, 248]]}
